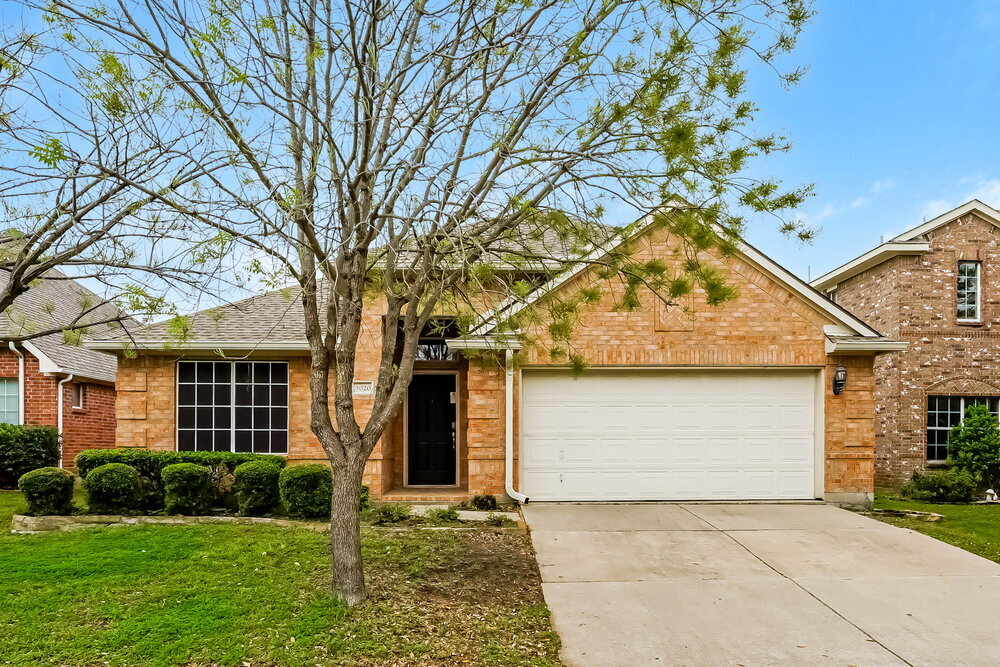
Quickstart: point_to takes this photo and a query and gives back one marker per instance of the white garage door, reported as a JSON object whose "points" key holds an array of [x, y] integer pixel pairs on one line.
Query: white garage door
{"points": [[668, 435]]}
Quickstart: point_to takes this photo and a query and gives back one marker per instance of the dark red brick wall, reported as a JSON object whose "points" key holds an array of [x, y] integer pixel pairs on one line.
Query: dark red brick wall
{"points": [[914, 299], [89, 428]]}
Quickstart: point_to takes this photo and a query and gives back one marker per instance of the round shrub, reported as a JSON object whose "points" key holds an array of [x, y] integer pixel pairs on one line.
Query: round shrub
{"points": [[306, 490], [942, 486], [484, 503], [187, 488], [113, 488], [256, 487], [26, 448], [48, 491]]}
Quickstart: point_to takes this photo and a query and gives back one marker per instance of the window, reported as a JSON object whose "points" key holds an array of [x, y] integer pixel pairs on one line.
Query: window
{"points": [[968, 291], [431, 345], [228, 406], [945, 412], [9, 401], [77, 395]]}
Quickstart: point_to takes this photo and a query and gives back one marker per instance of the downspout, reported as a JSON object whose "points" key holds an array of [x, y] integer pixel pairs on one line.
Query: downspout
{"points": [[59, 420], [20, 381], [509, 431]]}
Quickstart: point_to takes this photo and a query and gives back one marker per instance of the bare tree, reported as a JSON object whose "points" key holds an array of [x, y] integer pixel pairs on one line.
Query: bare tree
{"points": [[383, 153], [70, 156]]}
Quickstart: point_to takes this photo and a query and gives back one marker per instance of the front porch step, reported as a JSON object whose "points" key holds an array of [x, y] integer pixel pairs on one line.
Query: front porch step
{"points": [[426, 495]]}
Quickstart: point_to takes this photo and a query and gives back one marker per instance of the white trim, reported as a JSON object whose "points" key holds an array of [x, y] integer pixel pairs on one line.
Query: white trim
{"points": [[985, 211], [59, 419], [819, 430], [828, 281], [170, 346], [509, 372], [458, 432], [20, 382], [789, 280], [500, 342], [834, 346], [45, 363]]}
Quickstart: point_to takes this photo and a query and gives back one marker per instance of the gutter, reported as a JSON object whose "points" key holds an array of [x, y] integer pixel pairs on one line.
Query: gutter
{"points": [[509, 431], [20, 382], [59, 410]]}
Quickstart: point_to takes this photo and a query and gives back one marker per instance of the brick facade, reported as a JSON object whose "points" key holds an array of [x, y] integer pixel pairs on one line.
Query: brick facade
{"points": [[768, 325], [87, 428], [913, 298]]}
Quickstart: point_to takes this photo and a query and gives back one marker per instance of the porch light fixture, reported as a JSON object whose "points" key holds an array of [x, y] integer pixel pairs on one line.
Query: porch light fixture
{"points": [[839, 380]]}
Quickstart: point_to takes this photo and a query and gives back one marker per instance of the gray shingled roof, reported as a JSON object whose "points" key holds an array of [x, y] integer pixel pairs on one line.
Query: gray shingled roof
{"points": [[57, 302], [277, 317]]}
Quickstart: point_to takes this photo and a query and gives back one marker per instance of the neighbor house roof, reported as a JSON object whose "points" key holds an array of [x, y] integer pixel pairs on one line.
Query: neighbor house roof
{"points": [[53, 302], [911, 242]]}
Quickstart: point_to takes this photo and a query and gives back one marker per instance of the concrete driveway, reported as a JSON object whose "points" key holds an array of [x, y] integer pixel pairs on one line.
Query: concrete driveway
{"points": [[757, 584]]}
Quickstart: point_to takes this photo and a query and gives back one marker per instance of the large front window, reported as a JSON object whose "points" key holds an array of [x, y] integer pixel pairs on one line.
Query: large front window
{"points": [[946, 412], [232, 406], [968, 291]]}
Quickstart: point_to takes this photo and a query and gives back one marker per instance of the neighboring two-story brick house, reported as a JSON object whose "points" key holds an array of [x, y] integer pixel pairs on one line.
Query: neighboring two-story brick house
{"points": [[45, 381], [938, 287]]}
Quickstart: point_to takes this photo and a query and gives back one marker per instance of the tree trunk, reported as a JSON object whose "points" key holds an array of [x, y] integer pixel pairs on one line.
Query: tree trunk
{"points": [[345, 534]]}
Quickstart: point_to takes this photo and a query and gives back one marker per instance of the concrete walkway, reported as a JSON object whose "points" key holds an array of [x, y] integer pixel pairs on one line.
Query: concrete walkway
{"points": [[708, 584]]}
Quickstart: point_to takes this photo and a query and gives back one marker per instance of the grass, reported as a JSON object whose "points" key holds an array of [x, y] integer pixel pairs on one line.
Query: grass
{"points": [[975, 528], [258, 595]]}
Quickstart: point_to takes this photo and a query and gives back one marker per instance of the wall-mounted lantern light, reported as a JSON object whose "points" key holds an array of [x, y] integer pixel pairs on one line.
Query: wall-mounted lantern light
{"points": [[839, 380]]}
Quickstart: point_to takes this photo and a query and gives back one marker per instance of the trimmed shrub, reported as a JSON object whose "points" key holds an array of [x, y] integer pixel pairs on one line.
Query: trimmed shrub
{"points": [[113, 488], [48, 491], [26, 448], [442, 515], [484, 503], [306, 490], [942, 486], [256, 487], [390, 513], [364, 498], [974, 445], [186, 489], [150, 465]]}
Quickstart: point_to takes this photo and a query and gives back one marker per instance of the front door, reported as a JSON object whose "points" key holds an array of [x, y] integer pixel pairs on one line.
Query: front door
{"points": [[430, 426]]}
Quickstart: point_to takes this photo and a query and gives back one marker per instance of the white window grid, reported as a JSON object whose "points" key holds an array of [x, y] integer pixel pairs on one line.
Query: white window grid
{"points": [[10, 412], [946, 412], [968, 291]]}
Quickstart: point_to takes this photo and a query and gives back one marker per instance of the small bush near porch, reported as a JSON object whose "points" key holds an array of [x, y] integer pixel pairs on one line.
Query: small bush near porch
{"points": [[232, 595]]}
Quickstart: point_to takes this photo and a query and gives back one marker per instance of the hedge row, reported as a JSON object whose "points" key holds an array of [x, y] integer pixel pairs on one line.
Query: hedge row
{"points": [[26, 448], [150, 463]]}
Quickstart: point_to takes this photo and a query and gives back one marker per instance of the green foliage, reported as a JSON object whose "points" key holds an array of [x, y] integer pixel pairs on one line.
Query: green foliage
{"points": [[51, 153], [483, 503], [48, 491], [364, 498], [26, 448], [499, 521], [306, 490], [942, 486], [441, 515], [387, 513], [256, 487], [186, 489], [974, 445], [150, 462], [113, 488]]}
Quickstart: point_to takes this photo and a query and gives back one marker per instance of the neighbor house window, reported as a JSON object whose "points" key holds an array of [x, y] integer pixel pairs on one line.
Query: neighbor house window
{"points": [[77, 395], [969, 291], [228, 406], [946, 412], [9, 412]]}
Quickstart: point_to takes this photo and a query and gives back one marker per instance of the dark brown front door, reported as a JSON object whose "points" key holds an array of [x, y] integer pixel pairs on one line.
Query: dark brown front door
{"points": [[431, 431]]}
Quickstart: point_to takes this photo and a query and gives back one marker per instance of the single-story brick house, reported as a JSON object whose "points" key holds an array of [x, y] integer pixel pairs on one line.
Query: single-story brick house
{"points": [[46, 381], [936, 286], [709, 402]]}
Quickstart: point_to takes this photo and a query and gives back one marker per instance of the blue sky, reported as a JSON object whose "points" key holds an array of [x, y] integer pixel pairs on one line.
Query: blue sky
{"points": [[897, 120]]}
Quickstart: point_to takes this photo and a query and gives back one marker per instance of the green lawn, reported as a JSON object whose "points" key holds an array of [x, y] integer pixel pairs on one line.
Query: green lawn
{"points": [[975, 528], [257, 595]]}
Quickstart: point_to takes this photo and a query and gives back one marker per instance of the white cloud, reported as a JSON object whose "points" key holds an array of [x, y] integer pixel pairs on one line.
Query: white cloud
{"points": [[860, 202], [986, 190], [883, 185], [935, 207]]}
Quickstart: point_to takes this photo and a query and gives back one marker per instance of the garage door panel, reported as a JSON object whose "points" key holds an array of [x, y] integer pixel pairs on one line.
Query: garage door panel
{"points": [[665, 435]]}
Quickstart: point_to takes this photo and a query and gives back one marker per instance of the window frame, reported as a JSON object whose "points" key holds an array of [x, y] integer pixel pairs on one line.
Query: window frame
{"points": [[77, 387], [7, 381], [978, 303], [964, 402], [233, 405]]}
